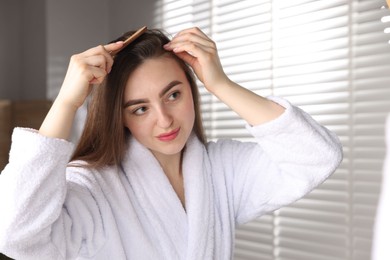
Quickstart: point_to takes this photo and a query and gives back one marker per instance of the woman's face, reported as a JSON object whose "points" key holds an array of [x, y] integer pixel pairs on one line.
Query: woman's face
{"points": [[158, 106]]}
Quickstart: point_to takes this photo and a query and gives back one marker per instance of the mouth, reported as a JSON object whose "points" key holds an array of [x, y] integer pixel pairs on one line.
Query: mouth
{"points": [[166, 137]]}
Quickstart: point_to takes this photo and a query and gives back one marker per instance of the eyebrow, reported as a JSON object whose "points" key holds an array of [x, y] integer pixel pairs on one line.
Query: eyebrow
{"points": [[162, 93]]}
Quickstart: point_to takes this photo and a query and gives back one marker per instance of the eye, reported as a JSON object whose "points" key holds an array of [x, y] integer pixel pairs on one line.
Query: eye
{"points": [[175, 95], [140, 111]]}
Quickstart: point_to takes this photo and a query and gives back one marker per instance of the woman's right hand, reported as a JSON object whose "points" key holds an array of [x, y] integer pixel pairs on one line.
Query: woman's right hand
{"points": [[85, 69]]}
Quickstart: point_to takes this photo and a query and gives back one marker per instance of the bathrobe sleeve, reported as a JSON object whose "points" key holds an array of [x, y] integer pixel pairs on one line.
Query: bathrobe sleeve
{"points": [[292, 156], [41, 216]]}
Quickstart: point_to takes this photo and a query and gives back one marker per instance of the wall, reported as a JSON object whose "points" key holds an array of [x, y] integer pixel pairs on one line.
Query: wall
{"points": [[9, 49], [72, 27], [38, 37], [130, 15], [22, 50], [33, 40]]}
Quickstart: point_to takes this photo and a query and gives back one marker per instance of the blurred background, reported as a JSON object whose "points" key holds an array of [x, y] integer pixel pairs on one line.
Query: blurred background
{"points": [[331, 58]]}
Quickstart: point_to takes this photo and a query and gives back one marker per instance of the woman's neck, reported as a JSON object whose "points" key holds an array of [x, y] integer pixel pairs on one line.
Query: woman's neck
{"points": [[171, 164]]}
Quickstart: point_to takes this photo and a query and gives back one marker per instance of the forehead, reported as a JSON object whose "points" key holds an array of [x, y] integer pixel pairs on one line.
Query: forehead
{"points": [[154, 74]]}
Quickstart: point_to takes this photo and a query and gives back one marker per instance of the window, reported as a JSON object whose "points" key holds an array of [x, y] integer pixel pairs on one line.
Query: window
{"points": [[331, 58]]}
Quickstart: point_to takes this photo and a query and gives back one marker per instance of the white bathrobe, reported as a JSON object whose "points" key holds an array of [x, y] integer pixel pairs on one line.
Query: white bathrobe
{"points": [[132, 212]]}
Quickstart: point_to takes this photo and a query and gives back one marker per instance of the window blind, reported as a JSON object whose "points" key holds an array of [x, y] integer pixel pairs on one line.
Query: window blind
{"points": [[331, 58], [371, 103], [312, 70]]}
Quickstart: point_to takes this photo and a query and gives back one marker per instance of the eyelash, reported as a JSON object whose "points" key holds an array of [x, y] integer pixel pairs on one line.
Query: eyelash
{"points": [[135, 111], [175, 94]]}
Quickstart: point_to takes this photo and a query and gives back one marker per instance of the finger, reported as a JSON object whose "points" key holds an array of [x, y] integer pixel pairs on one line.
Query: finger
{"points": [[186, 57], [190, 38], [95, 51], [97, 61], [190, 45], [108, 56], [193, 48], [105, 51], [113, 46], [98, 75], [194, 30]]}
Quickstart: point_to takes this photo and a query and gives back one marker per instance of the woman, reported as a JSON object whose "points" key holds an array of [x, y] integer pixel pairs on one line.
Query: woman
{"points": [[143, 183]]}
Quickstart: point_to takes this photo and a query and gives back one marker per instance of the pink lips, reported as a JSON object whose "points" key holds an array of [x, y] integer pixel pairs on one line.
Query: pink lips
{"points": [[169, 136]]}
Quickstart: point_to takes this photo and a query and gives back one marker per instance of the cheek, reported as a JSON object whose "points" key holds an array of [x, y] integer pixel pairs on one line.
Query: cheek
{"points": [[188, 111], [133, 125]]}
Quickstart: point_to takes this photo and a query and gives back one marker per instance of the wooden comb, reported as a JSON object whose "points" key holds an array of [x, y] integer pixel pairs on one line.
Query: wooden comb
{"points": [[129, 40]]}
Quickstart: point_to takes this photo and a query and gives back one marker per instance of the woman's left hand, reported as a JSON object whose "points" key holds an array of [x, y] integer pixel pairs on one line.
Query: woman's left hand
{"points": [[200, 52]]}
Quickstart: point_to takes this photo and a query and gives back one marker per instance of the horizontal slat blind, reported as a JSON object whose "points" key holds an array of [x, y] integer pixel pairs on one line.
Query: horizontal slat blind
{"points": [[371, 103], [243, 32], [386, 19], [330, 58], [312, 70]]}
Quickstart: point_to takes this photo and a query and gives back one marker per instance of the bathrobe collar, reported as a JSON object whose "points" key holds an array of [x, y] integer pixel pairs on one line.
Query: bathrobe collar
{"points": [[185, 234]]}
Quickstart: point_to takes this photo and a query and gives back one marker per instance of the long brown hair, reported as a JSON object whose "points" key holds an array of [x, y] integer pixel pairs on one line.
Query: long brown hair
{"points": [[104, 138]]}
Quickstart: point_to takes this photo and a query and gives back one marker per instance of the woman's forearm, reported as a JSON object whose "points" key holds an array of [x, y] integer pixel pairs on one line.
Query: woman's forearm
{"points": [[59, 121], [251, 107]]}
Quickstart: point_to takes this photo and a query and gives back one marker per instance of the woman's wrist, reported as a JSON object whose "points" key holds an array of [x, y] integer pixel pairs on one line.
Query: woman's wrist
{"points": [[249, 106], [59, 121], [223, 85]]}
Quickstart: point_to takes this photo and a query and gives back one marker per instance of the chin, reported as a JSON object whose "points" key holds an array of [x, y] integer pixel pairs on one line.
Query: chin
{"points": [[174, 149]]}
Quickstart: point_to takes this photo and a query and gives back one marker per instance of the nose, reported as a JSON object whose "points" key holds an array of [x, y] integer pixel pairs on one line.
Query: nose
{"points": [[164, 118]]}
